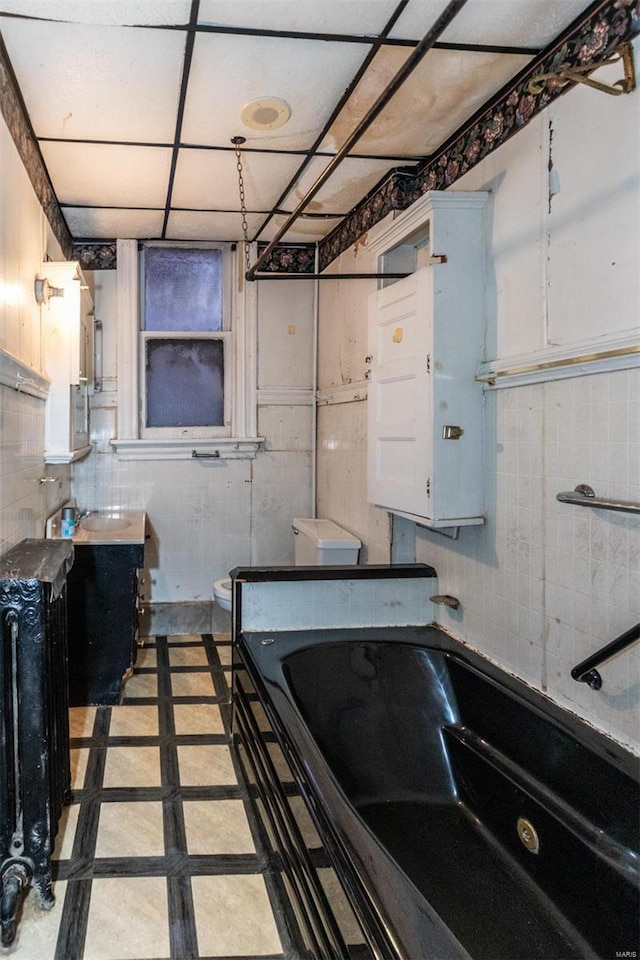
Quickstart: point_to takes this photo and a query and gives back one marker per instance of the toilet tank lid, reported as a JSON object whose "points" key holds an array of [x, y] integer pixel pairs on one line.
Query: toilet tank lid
{"points": [[325, 533]]}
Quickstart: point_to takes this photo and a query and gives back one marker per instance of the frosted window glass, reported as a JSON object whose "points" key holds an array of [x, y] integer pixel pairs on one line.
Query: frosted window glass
{"points": [[185, 383], [183, 289]]}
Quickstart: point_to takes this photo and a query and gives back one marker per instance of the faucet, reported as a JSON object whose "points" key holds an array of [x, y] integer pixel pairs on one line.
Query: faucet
{"points": [[83, 514]]}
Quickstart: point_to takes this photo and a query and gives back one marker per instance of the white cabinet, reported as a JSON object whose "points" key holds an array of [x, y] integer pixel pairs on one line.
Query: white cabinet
{"points": [[67, 323], [425, 345]]}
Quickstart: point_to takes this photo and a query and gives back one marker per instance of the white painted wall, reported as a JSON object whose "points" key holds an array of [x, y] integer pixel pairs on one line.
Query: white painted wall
{"points": [[207, 517], [542, 584], [24, 240]]}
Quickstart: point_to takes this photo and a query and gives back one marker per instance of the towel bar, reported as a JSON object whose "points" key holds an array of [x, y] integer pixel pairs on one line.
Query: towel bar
{"points": [[584, 496]]}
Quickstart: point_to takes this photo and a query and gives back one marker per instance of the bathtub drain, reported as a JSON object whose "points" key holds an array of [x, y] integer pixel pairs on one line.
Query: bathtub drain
{"points": [[528, 835]]}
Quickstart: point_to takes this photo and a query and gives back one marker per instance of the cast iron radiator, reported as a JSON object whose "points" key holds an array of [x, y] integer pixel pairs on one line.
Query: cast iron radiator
{"points": [[34, 719]]}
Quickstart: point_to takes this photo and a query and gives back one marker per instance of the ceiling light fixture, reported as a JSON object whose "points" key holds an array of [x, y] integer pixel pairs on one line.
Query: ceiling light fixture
{"points": [[267, 113]]}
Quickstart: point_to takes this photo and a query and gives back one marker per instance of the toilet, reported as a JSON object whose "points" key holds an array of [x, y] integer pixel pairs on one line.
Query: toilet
{"points": [[322, 543], [317, 543]]}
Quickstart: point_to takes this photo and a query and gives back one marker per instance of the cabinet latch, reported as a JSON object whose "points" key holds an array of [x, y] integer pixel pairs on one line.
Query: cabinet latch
{"points": [[450, 432]]}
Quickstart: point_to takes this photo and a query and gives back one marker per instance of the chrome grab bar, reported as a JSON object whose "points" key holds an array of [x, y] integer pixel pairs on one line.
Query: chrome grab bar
{"points": [[584, 496], [586, 672]]}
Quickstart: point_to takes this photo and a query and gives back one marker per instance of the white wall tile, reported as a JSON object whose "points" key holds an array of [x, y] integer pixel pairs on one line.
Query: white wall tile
{"points": [[208, 517], [342, 479], [318, 604], [24, 502], [542, 584], [285, 334]]}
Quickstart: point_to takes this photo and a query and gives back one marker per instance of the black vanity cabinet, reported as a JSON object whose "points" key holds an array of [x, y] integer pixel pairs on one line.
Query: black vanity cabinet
{"points": [[103, 620]]}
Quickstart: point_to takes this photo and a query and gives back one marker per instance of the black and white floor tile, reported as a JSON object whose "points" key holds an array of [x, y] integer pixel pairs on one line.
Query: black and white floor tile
{"points": [[156, 857]]}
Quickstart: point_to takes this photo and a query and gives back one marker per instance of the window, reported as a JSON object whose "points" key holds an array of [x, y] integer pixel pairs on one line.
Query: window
{"points": [[184, 375], [187, 342]]}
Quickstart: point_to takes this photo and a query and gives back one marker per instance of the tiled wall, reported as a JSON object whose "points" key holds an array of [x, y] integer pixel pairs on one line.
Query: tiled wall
{"points": [[204, 518], [24, 238], [542, 584], [23, 498], [207, 517], [310, 604], [342, 478]]}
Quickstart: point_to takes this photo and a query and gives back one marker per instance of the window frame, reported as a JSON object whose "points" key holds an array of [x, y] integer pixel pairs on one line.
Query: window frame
{"points": [[225, 336], [243, 441]]}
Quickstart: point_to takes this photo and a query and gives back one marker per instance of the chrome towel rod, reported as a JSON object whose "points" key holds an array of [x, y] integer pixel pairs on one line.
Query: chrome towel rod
{"points": [[584, 496]]}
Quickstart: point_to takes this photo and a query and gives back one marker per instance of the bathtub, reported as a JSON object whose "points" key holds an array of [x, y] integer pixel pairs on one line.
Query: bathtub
{"points": [[417, 802]]}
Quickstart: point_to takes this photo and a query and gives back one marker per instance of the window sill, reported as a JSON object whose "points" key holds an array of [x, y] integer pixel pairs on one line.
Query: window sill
{"points": [[218, 448]]}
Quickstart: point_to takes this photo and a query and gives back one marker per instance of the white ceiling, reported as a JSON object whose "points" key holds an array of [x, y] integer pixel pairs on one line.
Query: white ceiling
{"points": [[134, 102]]}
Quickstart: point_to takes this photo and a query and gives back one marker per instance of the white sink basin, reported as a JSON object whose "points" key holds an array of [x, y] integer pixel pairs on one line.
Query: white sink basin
{"points": [[104, 524], [113, 526]]}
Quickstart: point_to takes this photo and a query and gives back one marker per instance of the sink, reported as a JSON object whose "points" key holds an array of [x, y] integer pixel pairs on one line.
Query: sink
{"points": [[112, 526], [104, 524]]}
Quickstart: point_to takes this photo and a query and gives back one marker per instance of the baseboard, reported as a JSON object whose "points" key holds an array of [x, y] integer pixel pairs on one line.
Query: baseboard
{"points": [[197, 616]]}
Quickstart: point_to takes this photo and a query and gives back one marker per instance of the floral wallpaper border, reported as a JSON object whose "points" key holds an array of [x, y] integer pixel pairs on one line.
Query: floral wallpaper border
{"points": [[590, 41], [286, 258], [100, 255], [289, 258]]}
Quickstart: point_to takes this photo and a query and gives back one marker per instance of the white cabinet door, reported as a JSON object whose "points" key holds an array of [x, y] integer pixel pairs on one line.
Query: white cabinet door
{"points": [[425, 403], [67, 323], [399, 407]]}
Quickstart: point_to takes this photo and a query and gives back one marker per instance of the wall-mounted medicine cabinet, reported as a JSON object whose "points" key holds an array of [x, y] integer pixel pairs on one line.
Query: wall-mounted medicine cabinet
{"points": [[67, 325], [425, 344]]}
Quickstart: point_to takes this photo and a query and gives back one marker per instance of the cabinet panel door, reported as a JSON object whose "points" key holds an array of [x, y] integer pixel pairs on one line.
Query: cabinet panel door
{"points": [[399, 414]]}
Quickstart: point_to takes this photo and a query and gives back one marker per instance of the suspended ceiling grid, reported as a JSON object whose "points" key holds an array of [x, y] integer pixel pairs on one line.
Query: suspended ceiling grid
{"points": [[134, 102]]}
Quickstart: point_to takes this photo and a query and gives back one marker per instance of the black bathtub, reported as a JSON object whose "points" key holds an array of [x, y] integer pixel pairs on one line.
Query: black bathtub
{"points": [[420, 803]]}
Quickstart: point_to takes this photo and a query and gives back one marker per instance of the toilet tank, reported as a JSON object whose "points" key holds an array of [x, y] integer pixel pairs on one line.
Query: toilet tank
{"points": [[321, 543]]}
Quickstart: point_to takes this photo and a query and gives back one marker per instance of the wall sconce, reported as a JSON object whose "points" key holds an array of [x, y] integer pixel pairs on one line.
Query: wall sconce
{"points": [[44, 291]]}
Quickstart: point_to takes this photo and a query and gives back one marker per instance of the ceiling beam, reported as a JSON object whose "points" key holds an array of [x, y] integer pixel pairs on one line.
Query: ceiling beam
{"points": [[184, 84], [396, 158]]}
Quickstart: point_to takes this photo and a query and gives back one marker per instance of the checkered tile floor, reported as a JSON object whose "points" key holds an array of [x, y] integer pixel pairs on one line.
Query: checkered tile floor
{"points": [[156, 857]]}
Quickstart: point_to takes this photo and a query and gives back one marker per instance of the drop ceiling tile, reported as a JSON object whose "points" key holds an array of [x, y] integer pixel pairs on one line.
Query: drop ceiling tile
{"points": [[528, 23], [100, 224], [108, 176], [304, 16], [351, 181], [113, 12], [208, 179], [204, 225], [97, 82], [444, 90], [302, 231], [229, 72], [417, 18]]}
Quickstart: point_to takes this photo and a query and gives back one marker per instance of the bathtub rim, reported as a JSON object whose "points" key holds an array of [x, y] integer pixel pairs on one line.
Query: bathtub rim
{"points": [[433, 637]]}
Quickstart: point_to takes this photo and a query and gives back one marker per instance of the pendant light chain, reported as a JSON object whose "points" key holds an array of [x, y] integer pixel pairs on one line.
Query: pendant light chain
{"points": [[236, 141]]}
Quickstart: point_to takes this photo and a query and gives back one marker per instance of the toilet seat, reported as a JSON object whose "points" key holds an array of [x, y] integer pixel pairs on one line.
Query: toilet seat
{"points": [[222, 592]]}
